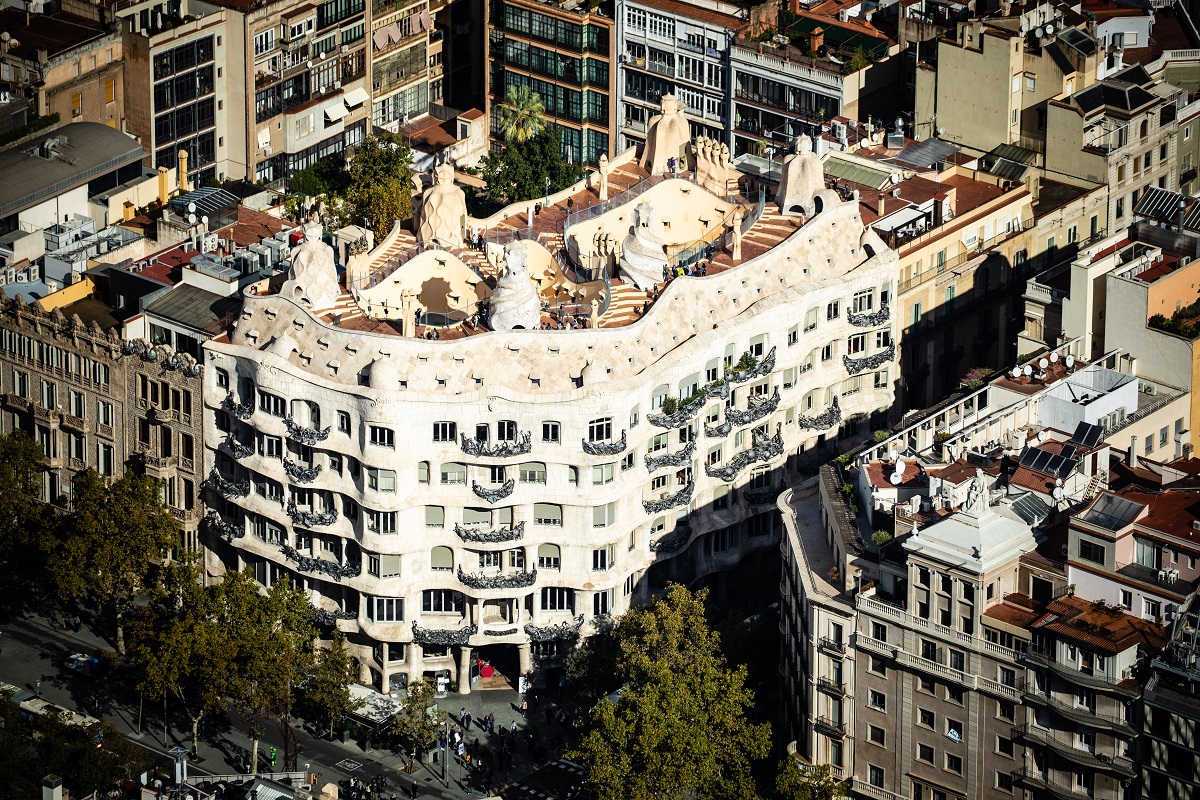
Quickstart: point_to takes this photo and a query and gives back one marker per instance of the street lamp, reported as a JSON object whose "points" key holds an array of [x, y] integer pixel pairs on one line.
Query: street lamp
{"points": [[547, 203]]}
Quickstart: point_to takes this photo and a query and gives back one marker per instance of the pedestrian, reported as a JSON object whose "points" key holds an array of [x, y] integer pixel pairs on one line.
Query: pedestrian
{"points": [[512, 726], [467, 720], [413, 790], [524, 706]]}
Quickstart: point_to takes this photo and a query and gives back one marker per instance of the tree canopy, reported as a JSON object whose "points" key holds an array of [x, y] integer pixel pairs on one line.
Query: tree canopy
{"points": [[327, 686], [513, 174], [24, 519], [522, 115], [794, 783], [678, 730], [414, 725], [380, 184]]}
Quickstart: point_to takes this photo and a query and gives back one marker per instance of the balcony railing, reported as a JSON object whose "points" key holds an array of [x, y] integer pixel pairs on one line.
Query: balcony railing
{"points": [[828, 727], [1077, 714], [1103, 762], [1068, 673], [831, 686], [825, 643], [1035, 779]]}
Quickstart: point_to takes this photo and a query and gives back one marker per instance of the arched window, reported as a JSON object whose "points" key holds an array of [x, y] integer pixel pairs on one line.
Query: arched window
{"points": [[441, 558], [454, 473], [423, 472], [532, 472], [549, 556]]}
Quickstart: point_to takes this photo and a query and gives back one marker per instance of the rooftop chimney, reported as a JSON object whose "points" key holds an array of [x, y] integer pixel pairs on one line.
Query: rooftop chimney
{"points": [[816, 39], [882, 203], [52, 788], [164, 186], [181, 170], [1131, 455]]}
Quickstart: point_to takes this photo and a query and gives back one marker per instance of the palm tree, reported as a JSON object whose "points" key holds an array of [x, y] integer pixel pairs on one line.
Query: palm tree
{"points": [[522, 116]]}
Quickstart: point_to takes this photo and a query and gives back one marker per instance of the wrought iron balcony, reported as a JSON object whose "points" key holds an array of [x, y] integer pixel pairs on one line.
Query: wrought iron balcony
{"points": [[474, 447], [718, 431], [494, 495], [1078, 715], [1033, 778], [443, 638], [763, 496], [837, 730], [320, 565], [328, 619], [756, 409], [491, 537], [831, 645], [857, 365], [1102, 762], [548, 633], [673, 541], [306, 436], [682, 415], [242, 411], [760, 369], [309, 519], [1072, 675], [831, 686], [299, 472], [676, 459], [605, 448], [513, 580], [680, 498], [237, 449], [823, 421], [764, 449], [230, 490], [220, 527], [869, 320]]}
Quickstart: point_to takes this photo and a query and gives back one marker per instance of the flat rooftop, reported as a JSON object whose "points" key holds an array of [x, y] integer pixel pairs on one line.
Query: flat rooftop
{"points": [[55, 33]]}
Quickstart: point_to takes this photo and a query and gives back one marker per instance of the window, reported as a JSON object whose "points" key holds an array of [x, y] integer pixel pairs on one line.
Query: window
{"points": [[385, 521], [264, 42], [1004, 781], [383, 437], [603, 558], [441, 601], [600, 430], [877, 666], [1151, 609], [1006, 710], [532, 472], [927, 685], [879, 631], [601, 603], [1091, 551], [876, 735], [958, 660], [877, 700], [929, 650], [558, 599], [1163, 436], [550, 432], [453, 473], [833, 310], [549, 557], [547, 514], [272, 404], [954, 730], [1004, 746], [856, 343], [925, 717], [925, 753], [445, 431], [343, 422], [1008, 676], [810, 320], [381, 480], [603, 516], [602, 474], [954, 763], [875, 776], [422, 471], [385, 609], [76, 105], [110, 90], [1149, 444]]}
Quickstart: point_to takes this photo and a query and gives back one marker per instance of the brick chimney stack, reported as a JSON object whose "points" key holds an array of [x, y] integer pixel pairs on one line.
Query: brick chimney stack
{"points": [[817, 39]]}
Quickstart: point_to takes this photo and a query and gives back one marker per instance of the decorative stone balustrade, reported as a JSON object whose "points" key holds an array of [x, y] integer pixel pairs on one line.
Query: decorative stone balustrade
{"points": [[242, 411], [857, 365], [548, 633], [514, 580], [300, 473], [764, 449], [512, 534], [230, 490], [308, 519], [823, 421], [494, 495], [306, 436], [474, 447], [443, 638], [869, 320], [320, 565], [756, 409], [605, 448], [680, 498], [676, 459]]}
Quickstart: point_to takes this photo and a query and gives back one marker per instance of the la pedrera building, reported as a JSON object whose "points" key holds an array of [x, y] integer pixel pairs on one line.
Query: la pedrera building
{"points": [[487, 453]]}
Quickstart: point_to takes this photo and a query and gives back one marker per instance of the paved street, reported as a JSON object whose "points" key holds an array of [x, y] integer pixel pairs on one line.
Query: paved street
{"points": [[30, 650]]}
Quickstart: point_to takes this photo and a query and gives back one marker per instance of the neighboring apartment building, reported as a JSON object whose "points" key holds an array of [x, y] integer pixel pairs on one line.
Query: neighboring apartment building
{"points": [[563, 53], [403, 54], [1171, 713], [67, 64], [549, 497], [672, 47]]}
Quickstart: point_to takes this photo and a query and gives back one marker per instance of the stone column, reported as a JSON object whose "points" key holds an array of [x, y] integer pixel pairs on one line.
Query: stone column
{"points": [[525, 658], [416, 664], [385, 678], [464, 670], [536, 609]]}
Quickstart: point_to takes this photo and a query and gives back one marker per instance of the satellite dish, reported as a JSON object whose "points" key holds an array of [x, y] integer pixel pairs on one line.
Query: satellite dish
{"points": [[191, 219], [1024, 27], [1027, 370], [1058, 481], [1070, 362], [1038, 33], [1058, 493], [1041, 437], [896, 479], [1016, 372], [941, 131], [901, 466], [204, 220], [4, 37], [1049, 28], [1054, 358], [191, 208], [1043, 363]]}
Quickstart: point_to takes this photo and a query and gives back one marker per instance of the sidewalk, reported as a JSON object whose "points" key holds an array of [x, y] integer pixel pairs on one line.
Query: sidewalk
{"points": [[31, 651]]}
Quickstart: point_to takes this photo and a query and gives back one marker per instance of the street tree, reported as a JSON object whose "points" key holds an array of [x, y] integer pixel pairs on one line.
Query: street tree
{"points": [[328, 684], [522, 115], [513, 173], [679, 730], [591, 669], [380, 185], [111, 540], [793, 783], [274, 636], [24, 520], [185, 646], [415, 724]]}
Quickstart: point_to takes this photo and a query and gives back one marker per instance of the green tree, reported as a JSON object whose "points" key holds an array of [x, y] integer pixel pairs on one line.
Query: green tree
{"points": [[111, 540], [185, 645], [522, 115], [380, 182], [24, 520], [679, 730], [793, 783], [414, 725], [591, 669], [513, 174], [328, 685]]}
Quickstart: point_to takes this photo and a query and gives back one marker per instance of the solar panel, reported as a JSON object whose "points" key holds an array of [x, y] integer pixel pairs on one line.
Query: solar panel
{"points": [[1031, 509], [1068, 451], [1028, 456], [1087, 435], [1112, 512]]}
